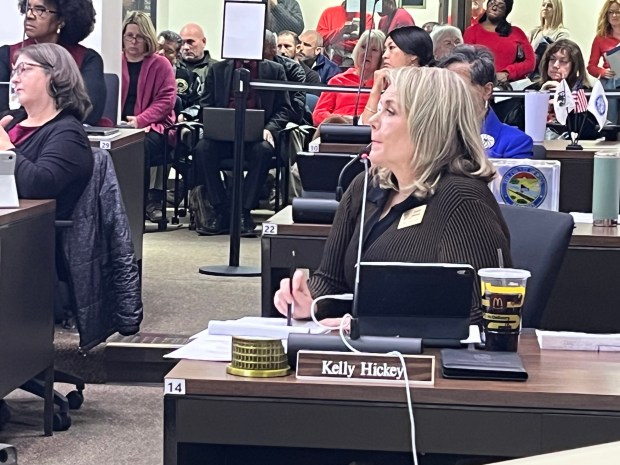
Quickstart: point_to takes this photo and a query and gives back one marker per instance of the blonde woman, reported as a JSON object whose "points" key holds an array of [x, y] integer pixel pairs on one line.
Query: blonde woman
{"points": [[148, 95], [551, 24], [410, 169], [607, 37]]}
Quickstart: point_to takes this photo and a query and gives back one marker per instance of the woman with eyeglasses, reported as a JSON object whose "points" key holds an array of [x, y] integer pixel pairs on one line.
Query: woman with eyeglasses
{"points": [[148, 96], [53, 155], [514, 56], [67, 23], [607, 37]]}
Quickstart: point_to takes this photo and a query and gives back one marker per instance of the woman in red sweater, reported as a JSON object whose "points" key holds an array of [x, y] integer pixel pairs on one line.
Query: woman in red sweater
{"points": [[335, 103], [607, 37], [514, 56]]}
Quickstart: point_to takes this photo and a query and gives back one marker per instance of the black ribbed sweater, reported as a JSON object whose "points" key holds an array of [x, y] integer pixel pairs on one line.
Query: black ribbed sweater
{"points": [[462, 224]]}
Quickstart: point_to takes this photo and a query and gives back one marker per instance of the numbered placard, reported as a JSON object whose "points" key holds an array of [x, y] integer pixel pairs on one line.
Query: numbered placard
{"points": [[174, 386], [270, 229], [105, 144]]}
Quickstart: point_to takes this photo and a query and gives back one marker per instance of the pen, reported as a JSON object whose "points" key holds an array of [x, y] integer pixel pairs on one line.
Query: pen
{"points": [[291, 306]]}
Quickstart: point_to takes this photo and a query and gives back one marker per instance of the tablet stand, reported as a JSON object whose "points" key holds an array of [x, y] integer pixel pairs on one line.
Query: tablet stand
{"points": [[241, 82]]}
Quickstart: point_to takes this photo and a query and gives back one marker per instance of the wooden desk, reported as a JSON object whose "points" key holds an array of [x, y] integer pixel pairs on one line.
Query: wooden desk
{"points": [[572, 399], [584, 295], [127, 151], [27, 277], [576, 172]]}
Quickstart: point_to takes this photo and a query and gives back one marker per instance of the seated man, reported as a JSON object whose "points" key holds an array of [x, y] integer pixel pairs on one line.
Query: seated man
{"points": [[288, 46], [311, 53], [208, 154], [196, 60], [169, 46], [475, 64]]}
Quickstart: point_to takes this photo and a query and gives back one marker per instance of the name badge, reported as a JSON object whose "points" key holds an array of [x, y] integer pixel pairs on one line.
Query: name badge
{"points": [[412, 217]]}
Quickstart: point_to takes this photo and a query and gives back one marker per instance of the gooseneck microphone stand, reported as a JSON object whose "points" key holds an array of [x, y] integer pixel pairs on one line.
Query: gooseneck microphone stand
{"points": [[241, 84]]}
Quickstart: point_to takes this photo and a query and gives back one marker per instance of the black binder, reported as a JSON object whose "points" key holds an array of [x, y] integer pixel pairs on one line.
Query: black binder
{"points": [[479, 364]]}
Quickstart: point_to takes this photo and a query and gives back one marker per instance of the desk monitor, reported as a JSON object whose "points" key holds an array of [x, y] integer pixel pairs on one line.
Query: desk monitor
{"points": [[8, 187], [319, 173], [219, 124], [430, 301]]}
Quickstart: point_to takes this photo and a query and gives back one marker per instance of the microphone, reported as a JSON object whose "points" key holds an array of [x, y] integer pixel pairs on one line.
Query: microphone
{"points": [[339, 187], [356, 116], [355, 330]]}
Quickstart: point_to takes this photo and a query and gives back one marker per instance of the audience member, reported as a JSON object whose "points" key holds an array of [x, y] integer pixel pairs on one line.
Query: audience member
{"points": [[477, 10], [563, 60], [340, 31], [607, 37], [289, 46], [336, 103], [208, 153], [196, 59], [462, 222], [53, 155], [393, 16], [404, 46], [475, 65], [429, 26], [311, 53], [551, 28], [169, 46], [285, 15], [445, 38], [67, 23], [514, 56], [293, 72], [148, 96], [128, 6]]}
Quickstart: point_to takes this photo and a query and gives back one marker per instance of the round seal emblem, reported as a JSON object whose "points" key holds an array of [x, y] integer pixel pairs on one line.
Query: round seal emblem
{"points": [[601, 106], [182, 86], [523, 185], [488, 141]]}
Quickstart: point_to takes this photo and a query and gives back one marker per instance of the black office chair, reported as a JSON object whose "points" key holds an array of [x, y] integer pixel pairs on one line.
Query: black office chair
{"points": [[110, 110], [540, 152], [538, 242]]}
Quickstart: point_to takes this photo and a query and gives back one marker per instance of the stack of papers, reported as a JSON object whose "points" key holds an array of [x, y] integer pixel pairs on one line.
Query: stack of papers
{"points": [[584, 217], [215, 342], [564, 340]]}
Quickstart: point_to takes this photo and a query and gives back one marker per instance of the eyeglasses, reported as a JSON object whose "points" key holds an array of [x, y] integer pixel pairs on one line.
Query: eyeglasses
{"points": [[496, 4], [613, 13], [558, 61], [26, 66], [39, 11], [139, 39]]}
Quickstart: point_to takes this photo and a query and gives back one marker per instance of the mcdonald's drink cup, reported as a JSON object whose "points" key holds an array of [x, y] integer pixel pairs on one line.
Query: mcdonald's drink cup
{"points": [[503, 294]]}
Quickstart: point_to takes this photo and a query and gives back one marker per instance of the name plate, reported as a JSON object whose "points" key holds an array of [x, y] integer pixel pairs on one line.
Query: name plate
{"points": [[365, 367]]}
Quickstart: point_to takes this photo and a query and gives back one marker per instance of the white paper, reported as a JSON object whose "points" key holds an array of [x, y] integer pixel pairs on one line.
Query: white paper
{"points": [[564, 340], [353, 6], [262, 327], [211, 348], [536, 110], [586, 218], [613, 58], [244, 31], [474, 335]]}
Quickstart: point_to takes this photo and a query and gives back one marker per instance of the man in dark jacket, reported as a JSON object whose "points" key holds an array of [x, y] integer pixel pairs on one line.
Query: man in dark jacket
{"points": [[288, 46], [208, 154], [311, 53], [196, 60]]}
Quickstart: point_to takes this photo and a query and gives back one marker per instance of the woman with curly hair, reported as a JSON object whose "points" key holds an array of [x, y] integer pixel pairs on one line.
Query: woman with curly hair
{"points": [[66, 23]]}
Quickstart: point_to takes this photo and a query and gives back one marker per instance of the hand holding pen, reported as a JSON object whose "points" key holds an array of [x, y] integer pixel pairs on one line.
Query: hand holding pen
{"points": [[294, 292]]}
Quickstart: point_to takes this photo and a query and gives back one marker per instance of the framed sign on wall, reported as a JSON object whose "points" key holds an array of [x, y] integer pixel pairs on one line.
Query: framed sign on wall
{"points": [[415, 3], [147, 6]]}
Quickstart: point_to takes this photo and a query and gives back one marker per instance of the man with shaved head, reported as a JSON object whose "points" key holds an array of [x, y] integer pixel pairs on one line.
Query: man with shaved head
{"points": [[195, 58], [311, 53]]}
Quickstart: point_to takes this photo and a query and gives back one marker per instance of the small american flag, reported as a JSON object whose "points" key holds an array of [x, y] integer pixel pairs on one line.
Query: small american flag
{"points": [[581, 103]]}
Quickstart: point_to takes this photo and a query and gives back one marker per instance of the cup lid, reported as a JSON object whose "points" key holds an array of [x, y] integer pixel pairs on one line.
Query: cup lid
{"points": [[504, 273]]}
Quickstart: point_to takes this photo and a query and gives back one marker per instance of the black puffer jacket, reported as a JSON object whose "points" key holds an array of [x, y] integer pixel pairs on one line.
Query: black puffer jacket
{"points": [[100, 259]]}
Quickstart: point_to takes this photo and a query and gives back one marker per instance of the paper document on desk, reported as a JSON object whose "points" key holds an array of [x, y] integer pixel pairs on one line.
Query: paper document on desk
{"points": [[613, 58], [584, 217], [564, 340], [210, 348], [251, 326]]}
